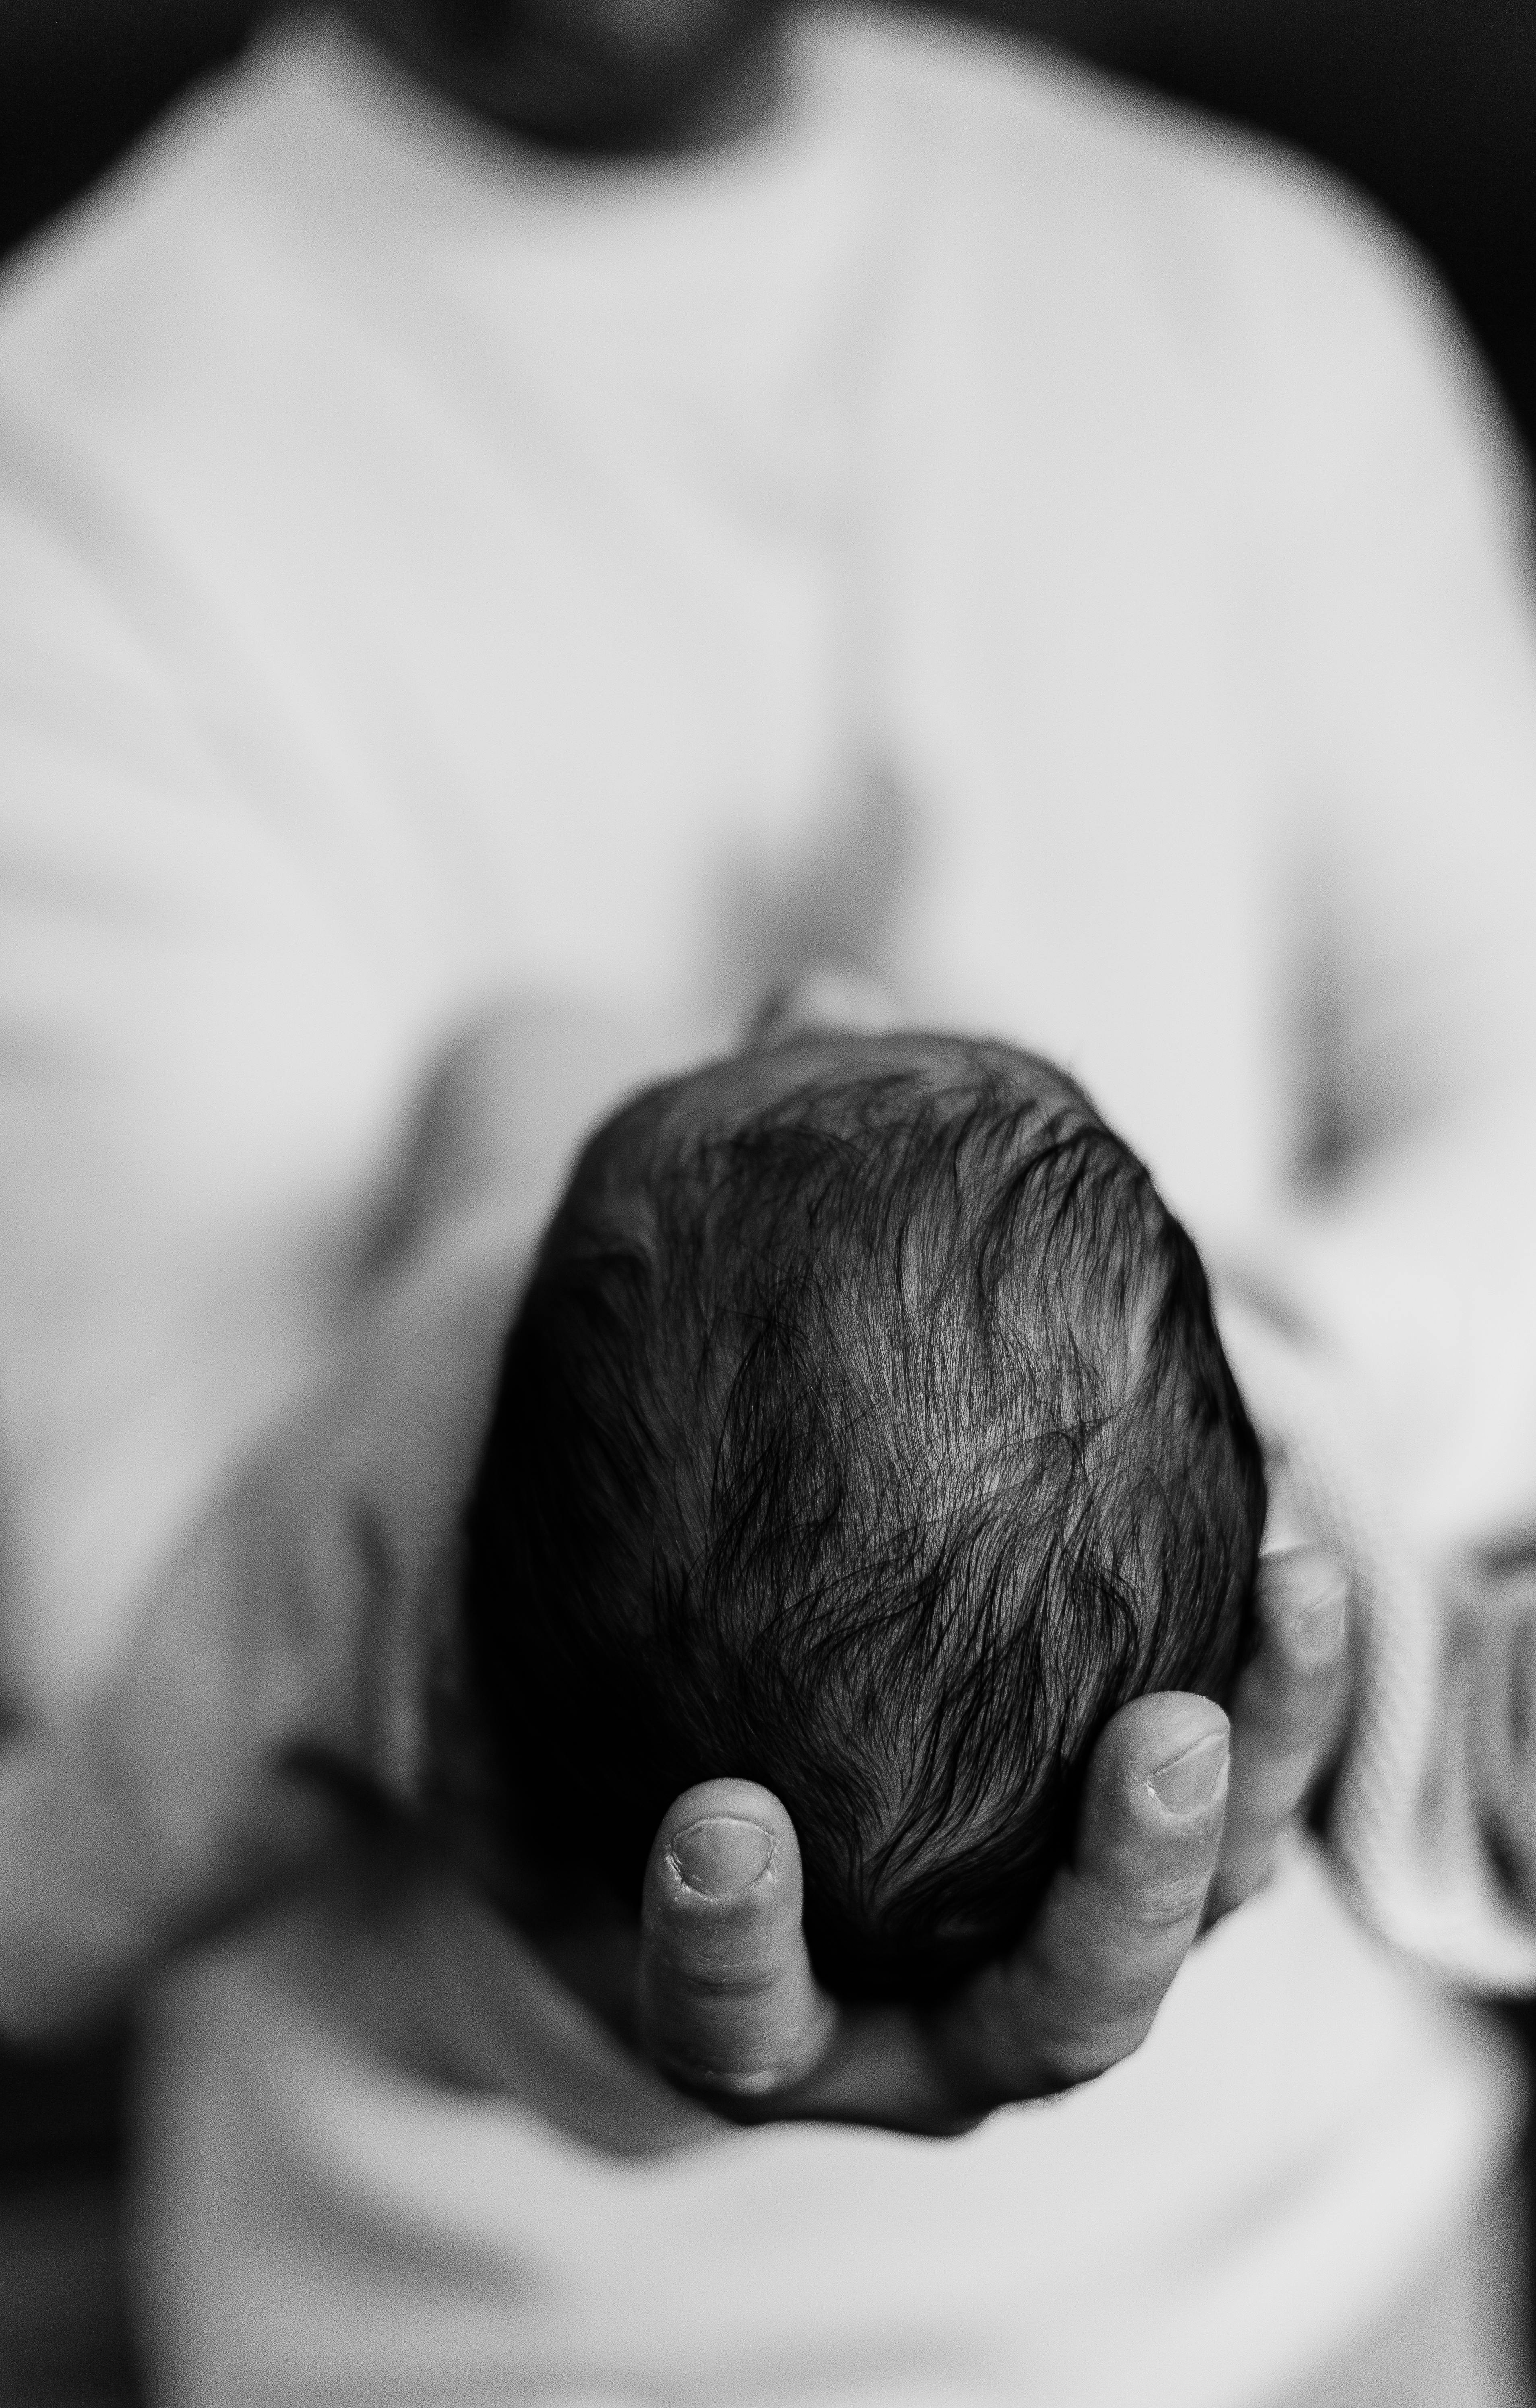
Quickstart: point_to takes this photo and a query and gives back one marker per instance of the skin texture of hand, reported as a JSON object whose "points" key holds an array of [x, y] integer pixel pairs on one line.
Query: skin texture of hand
{"points": [[1178, 1824]]}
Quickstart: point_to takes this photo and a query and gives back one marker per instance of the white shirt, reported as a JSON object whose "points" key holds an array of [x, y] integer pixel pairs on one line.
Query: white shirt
{"points": [[428, 567]]}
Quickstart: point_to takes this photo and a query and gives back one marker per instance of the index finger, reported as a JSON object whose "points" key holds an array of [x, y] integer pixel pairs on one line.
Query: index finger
{"points": [[1282, 1714], [1082, 1989]]}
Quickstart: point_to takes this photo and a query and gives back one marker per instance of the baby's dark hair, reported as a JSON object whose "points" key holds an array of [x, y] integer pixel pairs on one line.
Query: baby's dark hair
{"points": [[864, 1431]]}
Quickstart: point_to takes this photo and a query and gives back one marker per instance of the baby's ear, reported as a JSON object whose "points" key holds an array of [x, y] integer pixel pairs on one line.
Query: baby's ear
{"points": [[826, 996]]}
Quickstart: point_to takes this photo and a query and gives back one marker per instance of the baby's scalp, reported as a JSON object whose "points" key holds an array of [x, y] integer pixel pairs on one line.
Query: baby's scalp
{"points": [[864, 1431]]}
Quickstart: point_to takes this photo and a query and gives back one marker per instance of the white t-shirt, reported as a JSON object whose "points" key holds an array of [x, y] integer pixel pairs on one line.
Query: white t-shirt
{"points": [[429, 567]]}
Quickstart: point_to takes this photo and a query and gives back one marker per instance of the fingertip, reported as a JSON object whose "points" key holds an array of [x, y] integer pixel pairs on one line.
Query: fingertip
{"points": [[720, 1856], [1117, 1921], [1151, 1821], [825, 996], [720, 1840], [1193, 1783], [1166, 1753], [1297, 1573], [727, 2002], [1286, 1705], [1303, 1611]]}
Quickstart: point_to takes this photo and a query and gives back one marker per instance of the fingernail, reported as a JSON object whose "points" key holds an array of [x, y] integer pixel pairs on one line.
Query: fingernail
{"points": [[1190, 1781], [722, 1856], [1319, 1629], [1287, 1550]]}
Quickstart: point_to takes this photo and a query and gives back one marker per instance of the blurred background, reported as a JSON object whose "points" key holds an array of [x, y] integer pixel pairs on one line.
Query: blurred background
{"points": [[1428, 106]]}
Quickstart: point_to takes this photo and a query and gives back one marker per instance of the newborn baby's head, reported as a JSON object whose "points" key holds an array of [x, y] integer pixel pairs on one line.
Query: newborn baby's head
{"points": [[864, 1431]]}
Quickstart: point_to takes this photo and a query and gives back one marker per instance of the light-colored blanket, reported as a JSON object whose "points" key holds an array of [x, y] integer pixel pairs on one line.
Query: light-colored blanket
{"points": [[301, 1644]]}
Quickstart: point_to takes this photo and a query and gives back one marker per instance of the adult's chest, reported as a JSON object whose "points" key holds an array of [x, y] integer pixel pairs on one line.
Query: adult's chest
{"points": [[510, 672], [594, 686]]}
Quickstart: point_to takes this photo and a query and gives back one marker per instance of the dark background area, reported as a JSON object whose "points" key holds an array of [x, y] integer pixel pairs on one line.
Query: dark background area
{"points": [[1429, 105]]}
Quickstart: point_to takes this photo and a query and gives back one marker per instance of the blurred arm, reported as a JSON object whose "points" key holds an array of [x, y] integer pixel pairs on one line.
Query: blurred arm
{"points": [[1409, 645], [283, 1668]]}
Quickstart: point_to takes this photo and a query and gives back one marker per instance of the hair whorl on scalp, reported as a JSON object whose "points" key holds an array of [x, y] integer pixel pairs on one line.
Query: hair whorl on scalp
{"points": [[872, 1439]]}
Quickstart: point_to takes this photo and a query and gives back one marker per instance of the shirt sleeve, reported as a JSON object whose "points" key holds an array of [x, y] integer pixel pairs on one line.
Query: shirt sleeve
{"points": [[293, 1654], [1406, 637], [193, 1063]]}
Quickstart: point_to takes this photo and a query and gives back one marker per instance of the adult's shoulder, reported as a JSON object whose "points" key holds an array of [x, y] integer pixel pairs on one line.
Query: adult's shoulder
{"points": [[1285, 303], [1131, 182], [111, 275], [183, 286], [1099, 149]]}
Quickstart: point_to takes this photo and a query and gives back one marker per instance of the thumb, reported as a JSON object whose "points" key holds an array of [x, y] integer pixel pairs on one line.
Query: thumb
{"points": [[727, 2000]]}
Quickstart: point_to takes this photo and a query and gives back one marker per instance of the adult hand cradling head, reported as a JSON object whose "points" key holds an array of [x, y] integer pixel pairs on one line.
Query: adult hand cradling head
{"points": [[1180, 1819]]}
